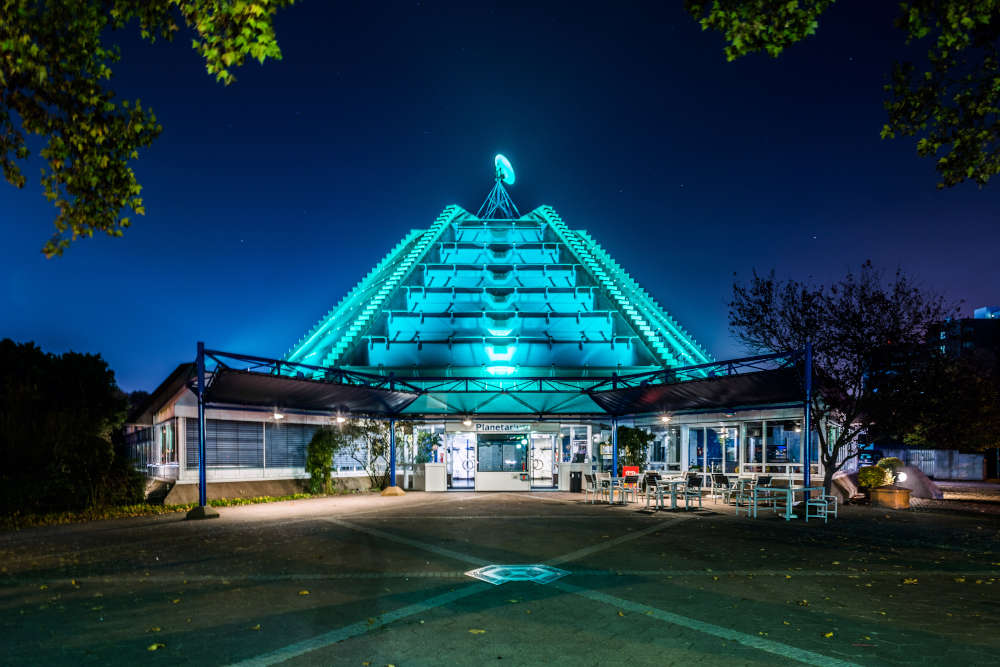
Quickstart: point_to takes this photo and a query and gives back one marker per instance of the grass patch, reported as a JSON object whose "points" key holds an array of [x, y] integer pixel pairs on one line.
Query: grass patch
{"points": [[18, 521]]}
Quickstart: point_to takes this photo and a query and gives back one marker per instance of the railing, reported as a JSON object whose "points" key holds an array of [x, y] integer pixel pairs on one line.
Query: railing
{"points": [[779, 469]]}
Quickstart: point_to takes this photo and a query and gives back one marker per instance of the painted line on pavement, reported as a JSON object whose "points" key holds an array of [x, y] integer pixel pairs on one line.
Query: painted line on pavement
{"points": [[759, 643], [441, 551], [857, 574], [594, 548], [458, 574], [506, 517], [442, 500], [359, 628]]}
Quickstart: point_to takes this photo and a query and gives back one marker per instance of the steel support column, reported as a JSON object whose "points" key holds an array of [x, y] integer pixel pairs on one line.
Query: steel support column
{"points": [[202, 511], [807, 414], [614, 447], [202, 491], [392, 452]]}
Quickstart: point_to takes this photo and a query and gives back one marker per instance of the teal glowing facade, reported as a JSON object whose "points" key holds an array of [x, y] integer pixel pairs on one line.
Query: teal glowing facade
{"points": [[500, 316], [504, 331]]}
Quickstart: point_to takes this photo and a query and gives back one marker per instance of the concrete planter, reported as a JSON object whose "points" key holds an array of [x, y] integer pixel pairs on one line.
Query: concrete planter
{"points": [[893, 497]]}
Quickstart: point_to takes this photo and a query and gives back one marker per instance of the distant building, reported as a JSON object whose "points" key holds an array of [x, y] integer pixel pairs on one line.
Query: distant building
{"points": [[987, 313], [976, 339], [978, 336]]}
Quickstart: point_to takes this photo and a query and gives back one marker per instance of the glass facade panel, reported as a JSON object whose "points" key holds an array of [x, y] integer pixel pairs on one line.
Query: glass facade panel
{"points": [[730, 448], [672, 445], [658, 450], [665, 451], [713, 447], [167, 436], [566, 444], [753, 442], [503, 453], [573, 443], [784, 441], [696, 448]]}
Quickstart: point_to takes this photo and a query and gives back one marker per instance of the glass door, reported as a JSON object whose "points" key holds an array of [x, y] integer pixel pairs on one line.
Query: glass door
{"points": [[543, 460], [462, 461]]}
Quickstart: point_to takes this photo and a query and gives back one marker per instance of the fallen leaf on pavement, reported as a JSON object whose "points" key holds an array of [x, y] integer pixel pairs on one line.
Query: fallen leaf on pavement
{"points": [[828, 635], [477, 631], [256, 627], [155, 647], [303, 592]]}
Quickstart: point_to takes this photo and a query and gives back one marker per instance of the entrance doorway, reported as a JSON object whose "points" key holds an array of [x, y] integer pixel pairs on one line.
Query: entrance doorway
{"points": [[544, 473], [462, 461]]}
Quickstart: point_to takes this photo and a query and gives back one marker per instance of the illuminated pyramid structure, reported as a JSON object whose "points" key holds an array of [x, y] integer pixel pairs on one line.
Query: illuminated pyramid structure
{"points": [[502, 299]]}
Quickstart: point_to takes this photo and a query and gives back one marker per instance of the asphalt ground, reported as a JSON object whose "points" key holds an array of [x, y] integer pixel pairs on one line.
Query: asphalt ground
{"points": [[366, 580]]}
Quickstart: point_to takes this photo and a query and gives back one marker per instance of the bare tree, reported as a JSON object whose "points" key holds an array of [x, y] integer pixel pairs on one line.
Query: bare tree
{"points": [[848, 322]]}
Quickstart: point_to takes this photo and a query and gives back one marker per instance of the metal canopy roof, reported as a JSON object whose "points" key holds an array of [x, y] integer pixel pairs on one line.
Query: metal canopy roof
{"points": [[283, 385], [783, 385], [277, 384], [241, 387]]}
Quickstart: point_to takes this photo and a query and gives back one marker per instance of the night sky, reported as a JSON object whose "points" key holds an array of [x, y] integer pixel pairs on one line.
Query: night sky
{"points": [[269, 199]]}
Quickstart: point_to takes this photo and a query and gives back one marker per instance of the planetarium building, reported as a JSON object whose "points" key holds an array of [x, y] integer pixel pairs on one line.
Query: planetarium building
{"points": [[514, 342]]}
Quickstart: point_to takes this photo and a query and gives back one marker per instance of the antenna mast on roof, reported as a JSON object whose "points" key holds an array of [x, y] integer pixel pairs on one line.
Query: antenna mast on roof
{"points": [[499, 204]]}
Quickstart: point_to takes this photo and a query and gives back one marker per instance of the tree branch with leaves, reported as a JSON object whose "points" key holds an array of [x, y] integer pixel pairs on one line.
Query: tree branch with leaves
{"points": [[949, 101], [55, 65]]}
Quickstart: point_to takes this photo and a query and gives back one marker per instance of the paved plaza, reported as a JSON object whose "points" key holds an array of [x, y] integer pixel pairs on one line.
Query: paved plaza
{"points": [[366, 580]]}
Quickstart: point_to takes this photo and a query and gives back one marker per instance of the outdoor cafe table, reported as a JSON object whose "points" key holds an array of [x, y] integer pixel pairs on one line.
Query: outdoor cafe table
{"points": [[789, 493], [612, 483], [674, 485]]}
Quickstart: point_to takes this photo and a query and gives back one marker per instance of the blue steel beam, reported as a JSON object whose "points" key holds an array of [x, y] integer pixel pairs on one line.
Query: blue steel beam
{"points": [[202, 491]]}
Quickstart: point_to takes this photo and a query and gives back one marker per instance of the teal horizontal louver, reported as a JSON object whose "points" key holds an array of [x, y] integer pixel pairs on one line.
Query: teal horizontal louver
{"points": [[230, 444], [287, 444]]}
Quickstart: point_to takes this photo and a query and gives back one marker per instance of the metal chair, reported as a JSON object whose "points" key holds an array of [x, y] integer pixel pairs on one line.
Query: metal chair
{"points": [[592, 487], [648, 486], [604, 485], [831, 504], [818, 508], [721, 487], [630, 485], [692, 489]]}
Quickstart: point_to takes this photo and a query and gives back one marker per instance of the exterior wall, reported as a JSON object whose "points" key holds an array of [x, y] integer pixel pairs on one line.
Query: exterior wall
{"points": [[186, 409], [731, 423], [941, 463], [597, 435]]}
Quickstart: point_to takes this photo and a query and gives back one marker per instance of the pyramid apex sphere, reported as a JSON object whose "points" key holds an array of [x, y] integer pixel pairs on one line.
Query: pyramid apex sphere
{"points": [[505, 172]]}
